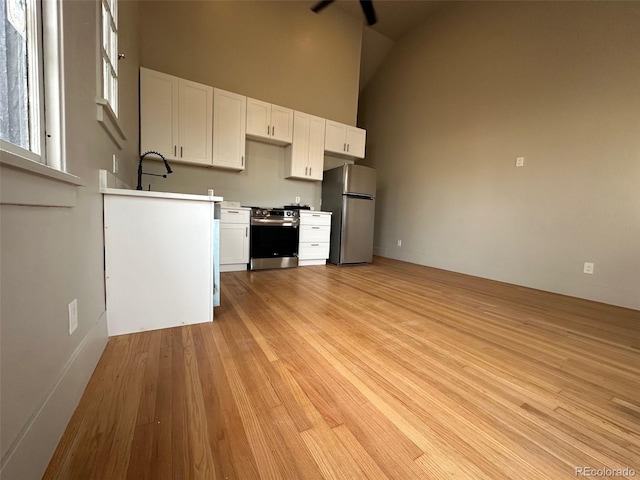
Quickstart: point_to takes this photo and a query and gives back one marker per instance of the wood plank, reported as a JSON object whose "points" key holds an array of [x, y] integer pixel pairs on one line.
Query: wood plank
{"points": [[388, 370]]}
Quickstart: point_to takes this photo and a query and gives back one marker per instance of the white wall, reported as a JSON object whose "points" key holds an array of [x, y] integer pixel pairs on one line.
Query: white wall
{"points": [[279, 52], [479, 84], [52, 255]]}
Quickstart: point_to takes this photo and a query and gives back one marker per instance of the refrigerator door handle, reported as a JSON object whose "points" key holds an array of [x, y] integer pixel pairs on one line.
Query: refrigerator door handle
{"points": [[359, 195]]}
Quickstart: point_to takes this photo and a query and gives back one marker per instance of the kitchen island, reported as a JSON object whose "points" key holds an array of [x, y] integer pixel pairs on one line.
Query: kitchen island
{"points": [[161, 265]]}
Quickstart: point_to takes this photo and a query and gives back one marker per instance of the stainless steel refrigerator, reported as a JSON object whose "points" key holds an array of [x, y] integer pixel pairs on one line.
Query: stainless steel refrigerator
{"points": [[349, 192]]}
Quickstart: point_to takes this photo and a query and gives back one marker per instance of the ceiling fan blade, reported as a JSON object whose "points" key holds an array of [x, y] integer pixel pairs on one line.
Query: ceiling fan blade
{"points": [[320, 5], [369, 13]]}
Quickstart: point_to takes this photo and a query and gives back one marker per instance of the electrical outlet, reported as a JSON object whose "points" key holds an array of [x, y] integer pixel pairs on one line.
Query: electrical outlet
{"points": [[520, 162], [115, 164], [297, 200], [73, 316], [588, 268], [399, 243]]}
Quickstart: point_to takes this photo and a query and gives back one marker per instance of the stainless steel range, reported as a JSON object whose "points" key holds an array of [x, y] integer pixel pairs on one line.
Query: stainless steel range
{"points": [[274, 238]]}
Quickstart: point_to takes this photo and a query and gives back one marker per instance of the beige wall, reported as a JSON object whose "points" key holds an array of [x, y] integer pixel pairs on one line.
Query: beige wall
{"points": [[279, 52], [479, 84], [52, 255]]}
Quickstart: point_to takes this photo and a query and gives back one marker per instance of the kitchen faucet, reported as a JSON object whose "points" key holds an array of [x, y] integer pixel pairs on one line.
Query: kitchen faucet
{"points": [[140, 172]]}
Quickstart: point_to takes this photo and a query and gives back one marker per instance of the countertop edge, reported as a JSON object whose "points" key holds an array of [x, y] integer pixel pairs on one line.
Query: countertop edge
{"points": [[167, 195]]}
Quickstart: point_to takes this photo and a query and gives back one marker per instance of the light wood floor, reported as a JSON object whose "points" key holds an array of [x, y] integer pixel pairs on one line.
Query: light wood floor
{"points": [[389, 370]]}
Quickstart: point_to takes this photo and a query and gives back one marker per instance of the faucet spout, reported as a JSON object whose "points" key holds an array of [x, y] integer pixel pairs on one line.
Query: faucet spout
{"points": [[140, 172]]}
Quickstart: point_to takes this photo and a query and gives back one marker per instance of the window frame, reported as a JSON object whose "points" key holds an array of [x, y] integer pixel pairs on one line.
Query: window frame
{"points": [[46, 104], [109, 54]]}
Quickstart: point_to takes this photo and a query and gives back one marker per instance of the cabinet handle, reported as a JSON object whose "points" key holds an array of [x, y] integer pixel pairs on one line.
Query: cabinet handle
{"points": [[315, 228], [309, 171], [315, 244], [175, 151], [268, 127], [246, 231], [232, 211], [273, 130], [315, 215], [305, 171], [180, 152], [242, 158], [347, 147], [344, 148]]}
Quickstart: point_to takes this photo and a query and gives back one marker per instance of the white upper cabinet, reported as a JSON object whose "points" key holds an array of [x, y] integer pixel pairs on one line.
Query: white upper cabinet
{"points": [[229, 126], [158, 112], [269, 122], [195, 118], [345, 140], [176, 117], [304, 158]]}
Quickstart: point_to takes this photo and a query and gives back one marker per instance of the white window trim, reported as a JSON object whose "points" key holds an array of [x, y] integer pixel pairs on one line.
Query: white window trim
{"points": [[55, 123], [19, 162], [110, 123], [107, 115]]}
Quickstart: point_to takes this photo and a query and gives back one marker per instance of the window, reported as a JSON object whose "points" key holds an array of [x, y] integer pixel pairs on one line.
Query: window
{"points": [[30, 67], [21, 77], [110, 53]]}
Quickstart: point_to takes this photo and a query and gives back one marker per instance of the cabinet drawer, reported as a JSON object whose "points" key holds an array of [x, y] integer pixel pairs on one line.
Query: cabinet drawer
{"points": [[232, 215], [307, 218], [314, 233], [313, 251]]}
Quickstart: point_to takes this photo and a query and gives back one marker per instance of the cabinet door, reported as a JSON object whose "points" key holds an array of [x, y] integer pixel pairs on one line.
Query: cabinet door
{"points": [[258, 118], [297, 154], [195, 118], [234, 243], [281, 124], [356, 138], [335, 139], [315, 162], [229, 124], [158, 112]]}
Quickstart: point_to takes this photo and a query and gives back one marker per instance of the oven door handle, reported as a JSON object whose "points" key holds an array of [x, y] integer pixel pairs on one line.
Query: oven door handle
{"points": [[272, 222]]}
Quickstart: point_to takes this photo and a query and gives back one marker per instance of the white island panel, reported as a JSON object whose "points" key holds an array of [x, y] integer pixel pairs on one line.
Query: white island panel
{"points": [[159, 260]]}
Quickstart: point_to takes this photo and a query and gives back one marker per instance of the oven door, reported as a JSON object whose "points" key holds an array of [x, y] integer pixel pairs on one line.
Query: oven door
{"points": [[274, 242]]}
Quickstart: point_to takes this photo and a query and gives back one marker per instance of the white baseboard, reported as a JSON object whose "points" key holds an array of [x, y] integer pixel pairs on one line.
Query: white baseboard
{"points": [[29, 456]]}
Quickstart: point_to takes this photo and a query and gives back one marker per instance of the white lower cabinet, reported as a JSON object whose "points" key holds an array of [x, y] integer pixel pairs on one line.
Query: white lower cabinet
{"points": [[315, 234], [159, 261], [234, 239]]}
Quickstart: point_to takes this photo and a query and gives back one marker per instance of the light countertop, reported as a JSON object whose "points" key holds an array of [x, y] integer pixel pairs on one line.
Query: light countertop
{"points": [[168, 195]]}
